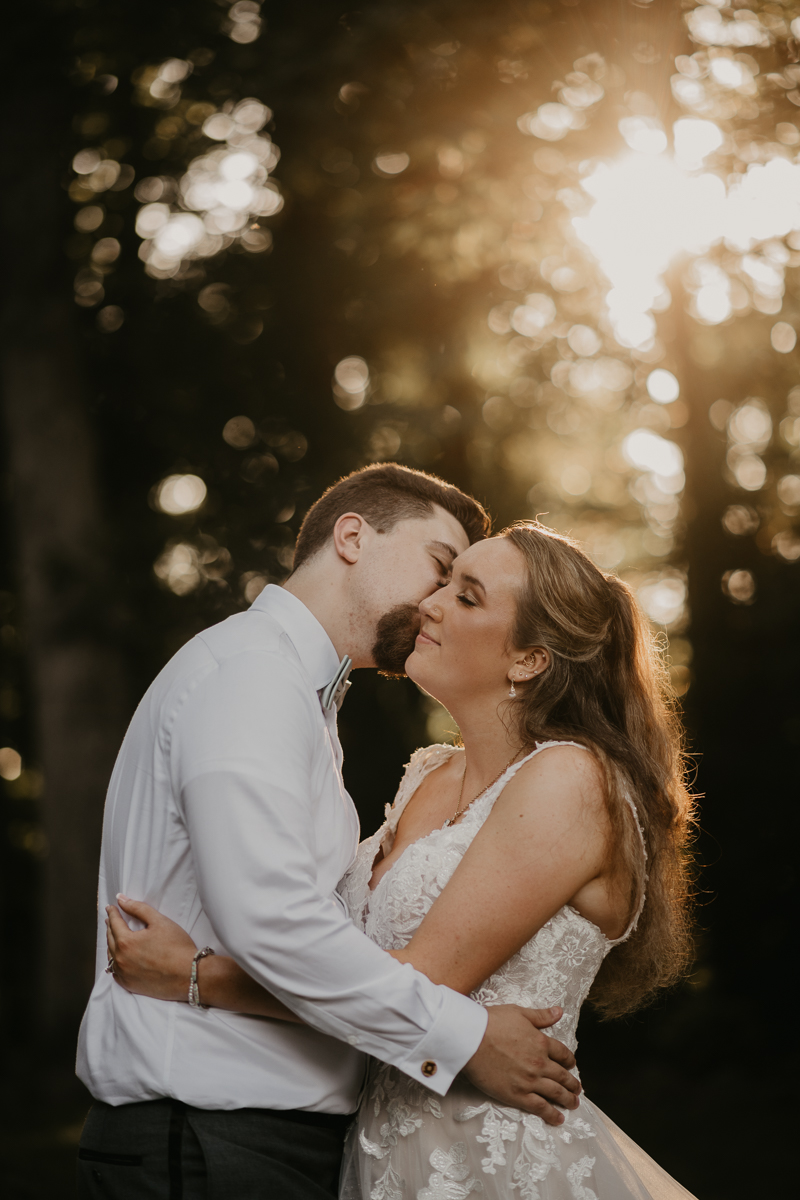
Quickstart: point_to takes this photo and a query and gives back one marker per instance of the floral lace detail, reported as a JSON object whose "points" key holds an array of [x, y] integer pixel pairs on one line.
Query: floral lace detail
{"points": [[450, 1179], [403, 1102], [407, 1132], [401, 1105], [575, 1173], [501, 1125]]}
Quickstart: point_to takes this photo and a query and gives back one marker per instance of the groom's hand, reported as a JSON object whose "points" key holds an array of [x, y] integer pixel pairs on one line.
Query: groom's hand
{"points": [[522, 1067]]}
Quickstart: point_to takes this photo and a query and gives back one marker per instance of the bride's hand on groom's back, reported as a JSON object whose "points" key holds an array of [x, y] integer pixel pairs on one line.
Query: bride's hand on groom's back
{"points": [[155, 961], [519, 1065]]}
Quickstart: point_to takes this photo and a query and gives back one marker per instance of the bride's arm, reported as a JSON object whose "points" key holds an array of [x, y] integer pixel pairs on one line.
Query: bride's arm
{"points": [[544, 845], [157, 961]]}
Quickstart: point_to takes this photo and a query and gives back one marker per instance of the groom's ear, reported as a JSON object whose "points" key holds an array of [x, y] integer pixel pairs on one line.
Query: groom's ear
{"points": [[348, 536]]}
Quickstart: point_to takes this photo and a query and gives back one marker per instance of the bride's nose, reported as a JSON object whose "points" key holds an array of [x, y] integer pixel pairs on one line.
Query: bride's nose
{"points": [[431, 608]]}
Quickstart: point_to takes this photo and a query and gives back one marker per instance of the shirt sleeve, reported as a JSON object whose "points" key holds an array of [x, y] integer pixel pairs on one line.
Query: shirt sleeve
{"points": [[243, 753]]}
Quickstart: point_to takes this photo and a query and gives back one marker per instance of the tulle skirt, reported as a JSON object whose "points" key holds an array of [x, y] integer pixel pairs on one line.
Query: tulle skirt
{"points": [[409, 1144]]}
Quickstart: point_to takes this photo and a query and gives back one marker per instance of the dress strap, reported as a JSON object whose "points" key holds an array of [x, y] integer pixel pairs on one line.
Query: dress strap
{"points": [[421, 763], [512, 770], [634, 921]]}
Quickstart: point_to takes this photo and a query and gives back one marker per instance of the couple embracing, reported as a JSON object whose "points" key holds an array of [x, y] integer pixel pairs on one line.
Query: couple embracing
{"points": [[280, 1012]]}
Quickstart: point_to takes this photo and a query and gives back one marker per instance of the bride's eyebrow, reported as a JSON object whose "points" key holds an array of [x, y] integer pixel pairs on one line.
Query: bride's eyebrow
{"points": [[474, 581]]}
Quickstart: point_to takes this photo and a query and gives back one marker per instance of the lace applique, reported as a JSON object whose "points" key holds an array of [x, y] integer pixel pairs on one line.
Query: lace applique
{"points": [[539, 1149], [537, 1159], [402, 1102], [575, 1173], [500, 1125], [450, 1179], [400, 1107]]}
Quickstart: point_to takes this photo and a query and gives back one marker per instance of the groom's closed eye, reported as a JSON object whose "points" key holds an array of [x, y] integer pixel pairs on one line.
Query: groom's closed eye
{"points": [[443, 554]]}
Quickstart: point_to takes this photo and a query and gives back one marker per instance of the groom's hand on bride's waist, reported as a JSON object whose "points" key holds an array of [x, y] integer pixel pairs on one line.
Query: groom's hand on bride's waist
{"points": [[519, 1065]]}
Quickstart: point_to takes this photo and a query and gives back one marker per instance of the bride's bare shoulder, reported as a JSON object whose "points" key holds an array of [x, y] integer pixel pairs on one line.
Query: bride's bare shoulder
{"points": [[567, 773]]}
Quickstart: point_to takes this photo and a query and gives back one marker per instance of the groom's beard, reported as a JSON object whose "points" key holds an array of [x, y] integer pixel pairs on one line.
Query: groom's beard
{"points": [[394, 639]]}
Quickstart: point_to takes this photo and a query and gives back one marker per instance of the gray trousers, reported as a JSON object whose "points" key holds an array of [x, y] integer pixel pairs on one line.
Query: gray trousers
{"points": [[166, 1150]]}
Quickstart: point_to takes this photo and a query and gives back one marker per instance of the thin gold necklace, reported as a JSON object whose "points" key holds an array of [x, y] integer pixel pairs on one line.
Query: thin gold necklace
{"points": [[460, 811]]}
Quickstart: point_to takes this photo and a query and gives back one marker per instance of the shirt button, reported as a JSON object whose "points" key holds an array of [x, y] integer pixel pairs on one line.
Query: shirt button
{"points": [[429, 1068]]}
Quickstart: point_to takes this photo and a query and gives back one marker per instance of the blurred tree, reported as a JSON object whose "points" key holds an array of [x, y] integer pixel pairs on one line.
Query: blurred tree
{"points": [[71, 607]]}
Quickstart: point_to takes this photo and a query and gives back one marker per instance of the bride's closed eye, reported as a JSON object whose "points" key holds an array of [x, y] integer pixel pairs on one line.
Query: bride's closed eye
{"points": [[466, 601]]}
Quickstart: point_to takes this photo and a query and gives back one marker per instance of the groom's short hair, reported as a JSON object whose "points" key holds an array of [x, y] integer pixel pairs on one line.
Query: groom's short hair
{"points": [[383, 494]]}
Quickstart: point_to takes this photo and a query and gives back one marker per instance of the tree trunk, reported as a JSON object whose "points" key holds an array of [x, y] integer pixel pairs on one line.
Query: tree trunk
{"points": [[75, 659], [77, 674]]}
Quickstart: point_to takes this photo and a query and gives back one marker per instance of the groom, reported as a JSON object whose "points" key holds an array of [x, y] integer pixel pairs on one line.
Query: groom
{"points": [[227, 811]]}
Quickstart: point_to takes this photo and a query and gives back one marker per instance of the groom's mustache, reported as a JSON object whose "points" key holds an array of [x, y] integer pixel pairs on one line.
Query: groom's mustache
{"points": [[394, 639]]}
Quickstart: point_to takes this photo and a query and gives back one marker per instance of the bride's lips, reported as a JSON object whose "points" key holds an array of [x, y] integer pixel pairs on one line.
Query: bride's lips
{"points": [[424, 637]]}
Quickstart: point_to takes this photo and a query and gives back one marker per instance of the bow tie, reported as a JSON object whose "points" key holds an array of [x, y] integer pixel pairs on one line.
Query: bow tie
{"points": [[334, 693]]}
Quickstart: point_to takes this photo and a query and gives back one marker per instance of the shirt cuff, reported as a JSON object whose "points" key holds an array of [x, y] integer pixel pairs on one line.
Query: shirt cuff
{"points": [[449, 1044]]}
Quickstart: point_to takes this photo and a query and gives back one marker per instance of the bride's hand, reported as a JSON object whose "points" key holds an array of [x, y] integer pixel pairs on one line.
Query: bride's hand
{"points": [[155, 961]]}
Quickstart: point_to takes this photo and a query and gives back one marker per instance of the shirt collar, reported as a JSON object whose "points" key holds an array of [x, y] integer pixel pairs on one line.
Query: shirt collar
{"points": [[314, 648]]}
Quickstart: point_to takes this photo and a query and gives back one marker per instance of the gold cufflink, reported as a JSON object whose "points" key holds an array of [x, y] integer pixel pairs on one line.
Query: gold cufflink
{"points": [[429, 1068]]}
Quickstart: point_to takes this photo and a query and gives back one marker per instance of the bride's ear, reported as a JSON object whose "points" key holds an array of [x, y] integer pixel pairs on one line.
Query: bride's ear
{"points": [[530, 664]]}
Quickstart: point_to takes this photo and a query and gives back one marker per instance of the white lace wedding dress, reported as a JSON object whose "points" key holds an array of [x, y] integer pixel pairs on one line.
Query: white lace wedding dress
{"points": [[410, 1144]]}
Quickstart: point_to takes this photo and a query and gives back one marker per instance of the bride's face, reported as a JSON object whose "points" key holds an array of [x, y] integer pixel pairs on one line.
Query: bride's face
{"points": [[463, 649]]}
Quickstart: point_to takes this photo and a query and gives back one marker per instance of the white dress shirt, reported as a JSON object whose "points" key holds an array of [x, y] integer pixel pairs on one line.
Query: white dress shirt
{"points": [[227, 812]]}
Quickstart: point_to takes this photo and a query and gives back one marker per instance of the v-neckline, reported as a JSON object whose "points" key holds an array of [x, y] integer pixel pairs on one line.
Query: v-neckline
{"points": [[389, 826], [417, 842], [439, 829]]}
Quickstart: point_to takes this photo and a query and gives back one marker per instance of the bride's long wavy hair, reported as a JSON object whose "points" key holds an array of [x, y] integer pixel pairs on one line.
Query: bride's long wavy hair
{"points": [[607, 686]]}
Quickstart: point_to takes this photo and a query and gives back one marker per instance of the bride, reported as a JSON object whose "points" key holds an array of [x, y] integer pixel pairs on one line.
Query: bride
{"points": [[541, 863]]}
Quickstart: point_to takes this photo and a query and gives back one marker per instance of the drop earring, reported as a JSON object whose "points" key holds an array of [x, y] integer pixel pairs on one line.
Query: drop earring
{"points": [[512, 691]]}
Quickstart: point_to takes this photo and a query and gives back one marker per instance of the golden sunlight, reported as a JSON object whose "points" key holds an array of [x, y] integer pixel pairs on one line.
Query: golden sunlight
{"points": [[653, 207]]}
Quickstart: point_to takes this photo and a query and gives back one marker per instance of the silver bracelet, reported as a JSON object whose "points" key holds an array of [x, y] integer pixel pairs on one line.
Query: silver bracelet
{"points": [[194, 990]]}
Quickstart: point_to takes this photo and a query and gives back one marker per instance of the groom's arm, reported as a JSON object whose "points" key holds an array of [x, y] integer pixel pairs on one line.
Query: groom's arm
{"points": [[243, 745]]}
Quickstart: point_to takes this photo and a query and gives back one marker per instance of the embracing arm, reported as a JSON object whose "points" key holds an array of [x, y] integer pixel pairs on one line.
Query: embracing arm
{"points": [[156, 961], [543, 842], [542, 846]]}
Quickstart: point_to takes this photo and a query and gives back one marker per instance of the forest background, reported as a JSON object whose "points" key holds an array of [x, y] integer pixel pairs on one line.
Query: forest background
{"points": [[249, 247]]}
